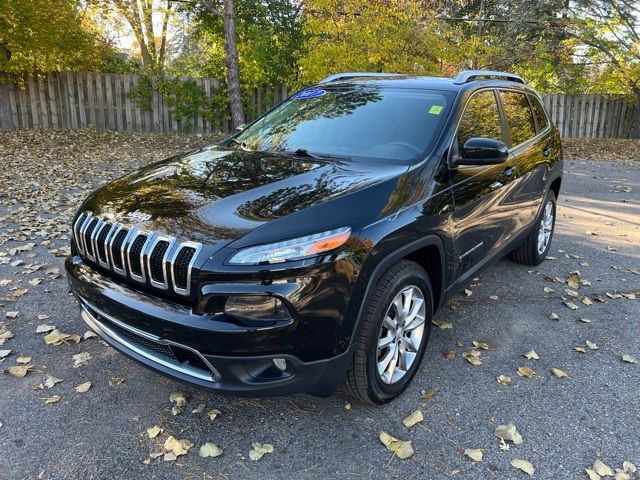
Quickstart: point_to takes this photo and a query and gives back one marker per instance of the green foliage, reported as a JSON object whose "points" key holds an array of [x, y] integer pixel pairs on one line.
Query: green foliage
{"points": [[184, 97], [40, 36]]}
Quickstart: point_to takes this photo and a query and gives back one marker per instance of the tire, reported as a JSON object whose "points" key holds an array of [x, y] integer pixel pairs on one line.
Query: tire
{"points": [[363, 380], [529, 252]]}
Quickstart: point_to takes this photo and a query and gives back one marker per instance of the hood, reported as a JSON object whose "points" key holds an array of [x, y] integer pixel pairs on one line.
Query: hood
{"points": [[218, 194]]}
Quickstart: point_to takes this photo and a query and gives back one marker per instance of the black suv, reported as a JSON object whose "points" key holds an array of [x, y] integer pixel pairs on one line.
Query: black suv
{"points": [[313, 247]]}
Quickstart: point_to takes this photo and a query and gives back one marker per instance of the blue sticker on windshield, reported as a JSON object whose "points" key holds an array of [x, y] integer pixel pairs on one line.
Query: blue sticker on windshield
{"points": [[311, 93]]}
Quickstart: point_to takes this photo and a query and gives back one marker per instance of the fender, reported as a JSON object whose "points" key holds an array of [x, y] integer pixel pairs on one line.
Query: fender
{"points": [[391, 259]]}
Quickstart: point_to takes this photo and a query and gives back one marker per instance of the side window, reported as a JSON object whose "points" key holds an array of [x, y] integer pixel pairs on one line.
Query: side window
{"points": [[519, 117], [481, 118], [538, 112]]}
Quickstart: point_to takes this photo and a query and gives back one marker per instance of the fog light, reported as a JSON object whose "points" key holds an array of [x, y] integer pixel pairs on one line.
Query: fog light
{"points": [[257, 307], [280, 363]]}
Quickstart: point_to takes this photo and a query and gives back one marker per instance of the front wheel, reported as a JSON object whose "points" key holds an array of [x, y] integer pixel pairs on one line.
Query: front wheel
{"points": [[393, 336], [535, 247]]}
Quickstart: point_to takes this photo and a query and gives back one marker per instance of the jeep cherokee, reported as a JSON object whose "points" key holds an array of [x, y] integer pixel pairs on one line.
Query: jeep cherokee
{"points": [[313, 247]]}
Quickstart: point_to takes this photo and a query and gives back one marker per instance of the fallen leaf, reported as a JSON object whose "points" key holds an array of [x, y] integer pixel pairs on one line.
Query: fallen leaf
{"points": [[473, 357], [628, 466], [44, 328], [258, 450], [213, 414], [585, 320], [210, 450], [53, 399], [571, 305], [198, 409], [450, 355], [474, 454], [629, 359], [83, 387], [412, 419], [509, 433], [115, 381], [548, 289], [401, 448], [523, 465], [532, 355], [23, 359], [602, 469], [573, 280], [89, 334], [177, 447], [153, 432], [586, 300], [81, 359], [481, 345], [592, 474], [553, 316], [559, 373], [179, 399], [4, 353], [441, 324], [580, 349], [493, 297], [526, 372], [427, 394], [169, 457], [19, 371], [591, 345], [12, 314], [504, 380], [56, 337], [50, 380], [347, 406]]}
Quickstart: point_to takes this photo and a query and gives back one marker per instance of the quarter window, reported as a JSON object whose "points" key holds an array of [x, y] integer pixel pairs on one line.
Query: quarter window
{"points": [[519, 117], [538, 112], [481, 118]]}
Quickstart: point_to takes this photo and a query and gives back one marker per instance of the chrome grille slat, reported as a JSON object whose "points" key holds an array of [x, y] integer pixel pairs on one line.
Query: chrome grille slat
{"points": [[143, 256]]}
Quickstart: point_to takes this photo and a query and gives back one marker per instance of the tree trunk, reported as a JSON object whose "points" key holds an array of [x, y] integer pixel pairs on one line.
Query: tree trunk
{"points": [[233, 75]]}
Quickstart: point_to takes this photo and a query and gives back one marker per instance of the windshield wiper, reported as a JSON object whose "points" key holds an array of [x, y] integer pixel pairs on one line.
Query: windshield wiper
{"points": [[303, 152], [242, 145]]}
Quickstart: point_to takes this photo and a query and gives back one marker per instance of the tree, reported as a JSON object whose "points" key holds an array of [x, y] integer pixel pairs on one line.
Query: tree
{"points": [[139, 15], [373, 35], [610, 31], [231, 55], [41, 36]]}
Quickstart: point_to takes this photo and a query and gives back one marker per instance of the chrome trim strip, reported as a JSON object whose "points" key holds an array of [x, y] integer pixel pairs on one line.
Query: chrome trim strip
{"points": [[110, 241], [165, 278], [198, 247], [83, 229], [76, 231], [92, 239], [99, 327], [123, 249], [138, 278], [106, 263]]}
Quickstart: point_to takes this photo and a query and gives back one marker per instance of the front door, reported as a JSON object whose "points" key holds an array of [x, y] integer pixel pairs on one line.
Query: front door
{"points": [[484, 214]]}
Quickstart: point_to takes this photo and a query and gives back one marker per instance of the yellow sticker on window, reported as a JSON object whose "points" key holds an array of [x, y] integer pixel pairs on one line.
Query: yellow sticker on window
{"points": [[435, 109]]}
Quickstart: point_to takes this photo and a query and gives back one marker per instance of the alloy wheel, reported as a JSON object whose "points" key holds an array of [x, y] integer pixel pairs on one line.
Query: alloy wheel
{"points": [[401, 334], [545, 229]]}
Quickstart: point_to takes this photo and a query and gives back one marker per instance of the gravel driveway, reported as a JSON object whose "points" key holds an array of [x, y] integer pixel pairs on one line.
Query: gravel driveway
{"points": [[566, 423]]}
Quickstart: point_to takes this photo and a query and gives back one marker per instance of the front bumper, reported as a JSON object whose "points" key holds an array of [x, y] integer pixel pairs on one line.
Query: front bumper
{"points": [[172, 340]]}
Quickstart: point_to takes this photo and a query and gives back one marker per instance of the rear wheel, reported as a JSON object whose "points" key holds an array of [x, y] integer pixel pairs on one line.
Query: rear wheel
{"points": [[393, 336], [535, 247]]}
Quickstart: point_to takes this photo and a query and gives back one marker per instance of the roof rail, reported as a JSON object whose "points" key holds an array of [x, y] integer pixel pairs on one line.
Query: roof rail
{"points": [[346, 75], [471, 75]]}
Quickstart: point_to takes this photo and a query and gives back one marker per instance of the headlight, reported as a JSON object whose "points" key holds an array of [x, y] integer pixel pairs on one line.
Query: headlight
{"points": [[292, 249]]}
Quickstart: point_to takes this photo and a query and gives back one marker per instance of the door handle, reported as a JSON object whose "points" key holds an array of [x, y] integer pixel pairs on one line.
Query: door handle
{"points": [[509, 171], [546, 152]]}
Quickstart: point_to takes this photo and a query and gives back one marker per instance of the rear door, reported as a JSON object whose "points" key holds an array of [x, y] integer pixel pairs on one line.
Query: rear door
{"points": [[527, 148], [484, 213]]}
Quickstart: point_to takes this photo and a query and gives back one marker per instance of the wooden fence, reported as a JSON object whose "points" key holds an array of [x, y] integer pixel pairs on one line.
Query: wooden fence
{"points": [[107, 102]]}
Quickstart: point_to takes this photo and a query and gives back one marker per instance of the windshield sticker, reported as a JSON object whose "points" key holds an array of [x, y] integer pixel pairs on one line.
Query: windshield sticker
{"points": [[435, 109], [311, 93]]}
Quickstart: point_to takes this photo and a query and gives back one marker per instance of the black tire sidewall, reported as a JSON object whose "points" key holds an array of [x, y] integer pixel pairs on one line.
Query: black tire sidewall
{"points": [[380, 392]]}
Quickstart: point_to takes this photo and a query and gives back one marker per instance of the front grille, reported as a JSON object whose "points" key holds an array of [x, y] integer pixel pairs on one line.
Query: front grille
{"points": [[143, 256]]}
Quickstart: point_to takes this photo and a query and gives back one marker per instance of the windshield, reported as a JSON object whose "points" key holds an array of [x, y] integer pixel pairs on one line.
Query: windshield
{"points": [[399, 125]]}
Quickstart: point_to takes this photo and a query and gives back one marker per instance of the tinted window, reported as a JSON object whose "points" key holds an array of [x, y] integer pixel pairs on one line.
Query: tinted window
{"points": [[538, 111], [480, 119], [519, 117], [354, 121]]}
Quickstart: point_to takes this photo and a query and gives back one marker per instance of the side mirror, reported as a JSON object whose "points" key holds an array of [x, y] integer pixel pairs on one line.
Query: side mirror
{"points": [[241, 127], [482, 151]]}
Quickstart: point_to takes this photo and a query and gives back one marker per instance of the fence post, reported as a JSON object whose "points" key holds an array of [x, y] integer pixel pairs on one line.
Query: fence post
{"points": [[6, 116]]}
